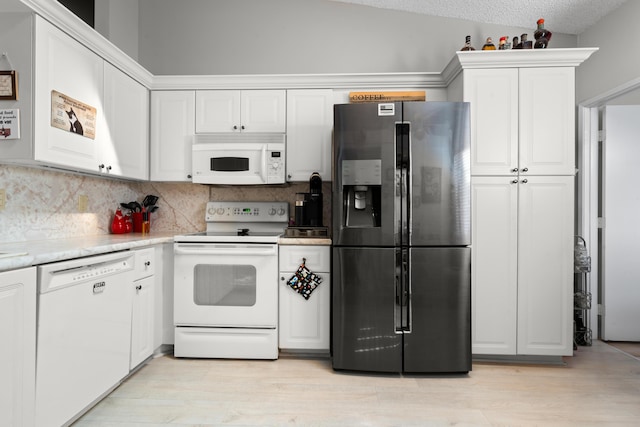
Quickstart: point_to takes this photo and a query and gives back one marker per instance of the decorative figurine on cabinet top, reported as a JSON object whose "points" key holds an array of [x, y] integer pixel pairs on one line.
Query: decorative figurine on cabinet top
{"points": [[504, 43], [526, 44], [488, 45], [541, 35], [467, 44]]}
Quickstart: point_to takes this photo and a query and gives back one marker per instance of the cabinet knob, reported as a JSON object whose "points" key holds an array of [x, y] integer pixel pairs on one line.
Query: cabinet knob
{"points": [[514, 170], [235, 127], [524, 181], [101, 166], [525, 169], [148, 263], [139, 287], [282, 278], [242, 127], [108, 168], [189, 176], [515, 181]]}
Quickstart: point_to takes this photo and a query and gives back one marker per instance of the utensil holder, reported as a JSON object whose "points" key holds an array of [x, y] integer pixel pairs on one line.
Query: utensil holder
{"points": [[138, 222]]}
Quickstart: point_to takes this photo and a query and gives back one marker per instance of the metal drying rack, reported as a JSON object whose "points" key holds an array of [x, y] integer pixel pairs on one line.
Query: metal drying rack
{"points": [[582, 294]]}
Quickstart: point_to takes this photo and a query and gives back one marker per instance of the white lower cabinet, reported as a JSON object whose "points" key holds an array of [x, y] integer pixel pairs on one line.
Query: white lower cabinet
{"points": [[522, 265], [143, 308], [18, 355], [304, 324]]}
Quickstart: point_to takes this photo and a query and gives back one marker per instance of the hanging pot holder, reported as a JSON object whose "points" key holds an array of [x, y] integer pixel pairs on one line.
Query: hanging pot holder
{"points": [[304, 281]]}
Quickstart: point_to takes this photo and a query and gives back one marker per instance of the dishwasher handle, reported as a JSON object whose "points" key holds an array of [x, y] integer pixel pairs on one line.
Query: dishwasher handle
{"points": [[60, 275]]}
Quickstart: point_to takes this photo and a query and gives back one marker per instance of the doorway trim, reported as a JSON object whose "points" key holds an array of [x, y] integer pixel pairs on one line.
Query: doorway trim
{"points": [[587, 183]]}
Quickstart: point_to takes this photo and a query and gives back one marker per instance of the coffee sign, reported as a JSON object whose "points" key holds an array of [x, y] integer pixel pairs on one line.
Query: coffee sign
{"points": [[416, 95]]}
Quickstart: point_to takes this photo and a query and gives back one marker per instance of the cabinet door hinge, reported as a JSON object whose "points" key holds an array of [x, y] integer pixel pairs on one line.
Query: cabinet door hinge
{"points": [[600, 310], [601, 222], [601, 135]]}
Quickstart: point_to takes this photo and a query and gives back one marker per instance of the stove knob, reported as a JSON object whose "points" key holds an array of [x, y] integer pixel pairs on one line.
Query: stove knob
{"points": [[281, 211], [220, 211], [272, 211], [211, 211]]}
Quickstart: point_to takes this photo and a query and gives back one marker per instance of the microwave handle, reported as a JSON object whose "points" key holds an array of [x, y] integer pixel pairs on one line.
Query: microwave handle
{"points": [[263, 169]]}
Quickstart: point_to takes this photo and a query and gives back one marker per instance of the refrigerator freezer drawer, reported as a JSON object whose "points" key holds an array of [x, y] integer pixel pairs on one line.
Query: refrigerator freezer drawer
{"points": [[369, 304], [440, 335], [364, 335]]}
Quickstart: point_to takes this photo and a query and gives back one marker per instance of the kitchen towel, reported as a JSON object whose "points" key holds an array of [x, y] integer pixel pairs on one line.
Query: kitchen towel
{"points": [[304, 281]]}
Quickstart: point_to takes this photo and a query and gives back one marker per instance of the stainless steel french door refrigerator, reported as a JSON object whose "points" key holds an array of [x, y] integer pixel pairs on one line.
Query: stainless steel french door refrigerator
{"points": [[401, 260]]}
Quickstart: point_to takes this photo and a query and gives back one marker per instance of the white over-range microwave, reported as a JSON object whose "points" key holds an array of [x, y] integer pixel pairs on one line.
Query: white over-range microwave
{"points": [[238, 158]]}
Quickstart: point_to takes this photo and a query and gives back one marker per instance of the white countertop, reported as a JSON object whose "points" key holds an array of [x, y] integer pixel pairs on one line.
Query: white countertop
{"points": [[36, 252], [320, 241], [52, 250]]}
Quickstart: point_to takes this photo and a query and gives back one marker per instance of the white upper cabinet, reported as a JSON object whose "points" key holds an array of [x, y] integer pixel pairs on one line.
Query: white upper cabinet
{"points": [[67, 67], [87, 115], [547, 120], [127, 117], [240, 111], [522, 120], [309, 124], [172, 130], [493, 94]]}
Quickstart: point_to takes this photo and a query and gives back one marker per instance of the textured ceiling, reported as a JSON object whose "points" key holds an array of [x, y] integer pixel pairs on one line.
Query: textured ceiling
{"points": [[564, 16]]}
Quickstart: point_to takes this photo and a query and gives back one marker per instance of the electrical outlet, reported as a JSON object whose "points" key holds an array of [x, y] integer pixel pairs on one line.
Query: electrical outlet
{"points": [[3, 198], [83, 202]]}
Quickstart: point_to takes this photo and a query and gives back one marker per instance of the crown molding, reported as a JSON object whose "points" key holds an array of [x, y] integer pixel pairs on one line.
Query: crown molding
{"points": [[300, 81], [566, 57]]}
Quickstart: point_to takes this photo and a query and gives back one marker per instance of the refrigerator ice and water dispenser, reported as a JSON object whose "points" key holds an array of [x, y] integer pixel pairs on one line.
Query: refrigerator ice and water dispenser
{"points": [[361, 183]]}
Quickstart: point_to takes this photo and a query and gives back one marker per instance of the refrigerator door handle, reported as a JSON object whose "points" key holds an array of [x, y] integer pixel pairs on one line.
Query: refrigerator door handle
{"points": [[397, 308], [402, 174], [402, 314], [402, 145], [406, 293]]}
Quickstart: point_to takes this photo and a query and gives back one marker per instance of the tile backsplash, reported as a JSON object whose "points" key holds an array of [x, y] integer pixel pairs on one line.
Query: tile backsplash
{"points": [[44, 204]]}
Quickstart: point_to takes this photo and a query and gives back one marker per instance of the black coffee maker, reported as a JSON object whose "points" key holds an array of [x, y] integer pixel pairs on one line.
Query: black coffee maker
{"points": [[308, 209]]}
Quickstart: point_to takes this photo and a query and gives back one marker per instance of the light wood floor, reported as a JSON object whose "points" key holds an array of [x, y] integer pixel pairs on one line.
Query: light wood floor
{"points": [[599, 386]]}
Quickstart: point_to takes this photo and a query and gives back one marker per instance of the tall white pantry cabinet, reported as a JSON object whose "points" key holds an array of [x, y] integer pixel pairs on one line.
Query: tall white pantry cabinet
{"points": [[522, 190]]}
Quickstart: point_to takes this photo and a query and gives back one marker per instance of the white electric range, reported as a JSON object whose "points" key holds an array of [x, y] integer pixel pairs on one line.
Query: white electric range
{"points": [[226, 282]]}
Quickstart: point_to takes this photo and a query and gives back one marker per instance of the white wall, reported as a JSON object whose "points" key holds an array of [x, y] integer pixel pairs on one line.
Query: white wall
{"points": [[617, 61], [196, 37], [117, 20]]}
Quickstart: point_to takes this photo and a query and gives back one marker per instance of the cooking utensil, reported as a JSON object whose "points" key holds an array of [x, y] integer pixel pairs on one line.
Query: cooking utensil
{"points": [[149, 200], [153, 208]]}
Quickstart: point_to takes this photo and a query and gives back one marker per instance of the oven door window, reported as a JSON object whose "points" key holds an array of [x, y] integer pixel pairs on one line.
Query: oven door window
{"points": [[229, 285]]}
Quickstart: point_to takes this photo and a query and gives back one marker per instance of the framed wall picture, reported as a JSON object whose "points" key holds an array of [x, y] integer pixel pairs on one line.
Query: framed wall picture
{"points": [[8, 85]]}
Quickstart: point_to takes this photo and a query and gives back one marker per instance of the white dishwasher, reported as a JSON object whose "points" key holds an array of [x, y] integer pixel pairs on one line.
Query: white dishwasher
{"points": [[84, 330]]}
